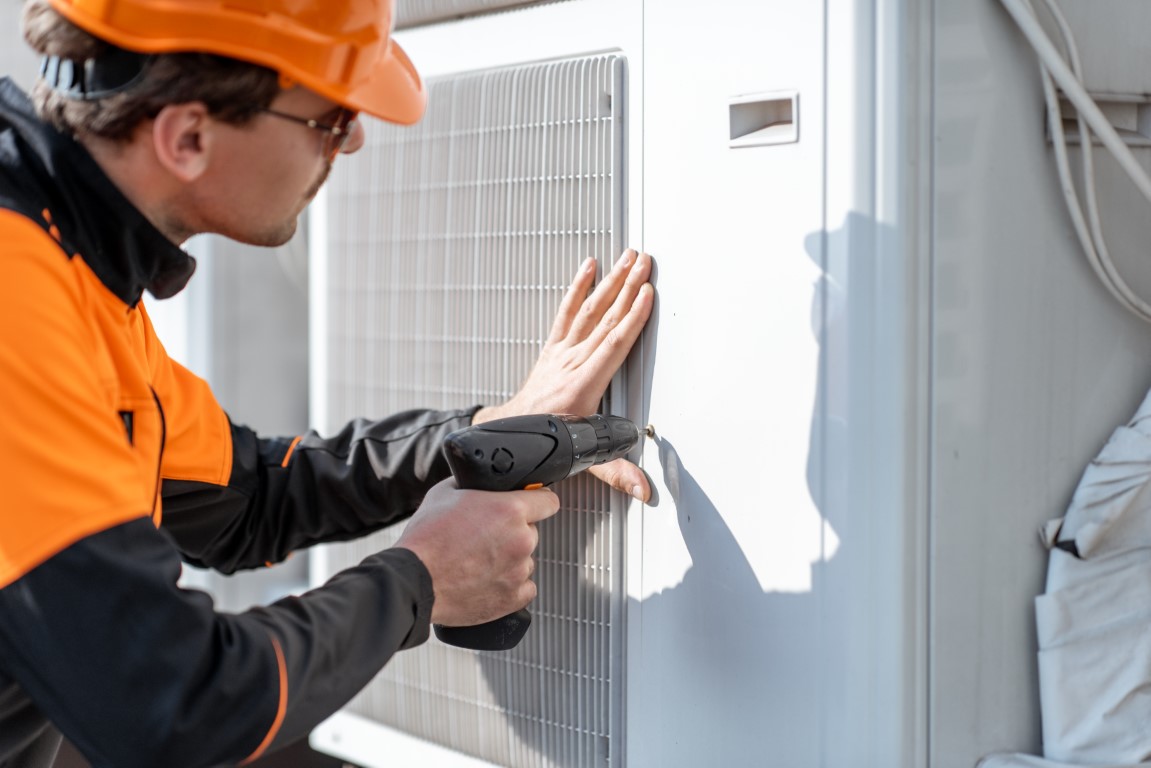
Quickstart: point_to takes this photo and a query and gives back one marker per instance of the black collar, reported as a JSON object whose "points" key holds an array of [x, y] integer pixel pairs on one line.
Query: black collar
{"points": [[41, 168]]}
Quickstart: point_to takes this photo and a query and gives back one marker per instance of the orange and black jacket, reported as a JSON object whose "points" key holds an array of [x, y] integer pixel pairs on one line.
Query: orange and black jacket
{"points": [[116, 463]]}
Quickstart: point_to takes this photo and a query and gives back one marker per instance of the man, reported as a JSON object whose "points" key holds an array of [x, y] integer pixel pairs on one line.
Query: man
{"points": [[154, 121]]}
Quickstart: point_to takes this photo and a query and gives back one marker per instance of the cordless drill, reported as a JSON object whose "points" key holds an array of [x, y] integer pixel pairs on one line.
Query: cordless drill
{"points": [[525, 452]]}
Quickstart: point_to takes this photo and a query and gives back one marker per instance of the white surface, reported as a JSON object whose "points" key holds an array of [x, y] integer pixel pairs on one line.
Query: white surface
{"points": [[1033, 365], [794, 473], [372, 745], [16, 58], [1094, 647]]}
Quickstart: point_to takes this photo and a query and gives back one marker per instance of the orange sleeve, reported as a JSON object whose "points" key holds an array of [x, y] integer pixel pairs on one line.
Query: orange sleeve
{"points": [[66, 468]]}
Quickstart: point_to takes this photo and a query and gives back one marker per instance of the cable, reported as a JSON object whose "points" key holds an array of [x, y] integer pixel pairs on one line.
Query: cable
{"points": [[1055, 121], [1093, 243], [1097, 251], [1053, 67]]}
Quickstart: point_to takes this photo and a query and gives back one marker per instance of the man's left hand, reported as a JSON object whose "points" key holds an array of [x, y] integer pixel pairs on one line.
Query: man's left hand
{"points": [[589, 340]]}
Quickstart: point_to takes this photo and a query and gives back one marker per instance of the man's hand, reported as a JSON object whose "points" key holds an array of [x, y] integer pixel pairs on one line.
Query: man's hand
{"points": [[478, 547], [589, 341]]}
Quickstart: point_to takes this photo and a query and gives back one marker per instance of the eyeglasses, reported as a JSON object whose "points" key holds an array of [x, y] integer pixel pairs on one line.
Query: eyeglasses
{"points": [[335, 134]]}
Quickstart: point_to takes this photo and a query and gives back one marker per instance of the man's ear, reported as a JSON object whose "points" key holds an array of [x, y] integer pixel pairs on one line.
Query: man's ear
{"points": [[183, 139]]}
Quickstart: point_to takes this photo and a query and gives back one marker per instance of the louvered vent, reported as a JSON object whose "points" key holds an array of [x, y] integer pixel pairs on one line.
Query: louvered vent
{"points": [[451, 244], [412, 13]]}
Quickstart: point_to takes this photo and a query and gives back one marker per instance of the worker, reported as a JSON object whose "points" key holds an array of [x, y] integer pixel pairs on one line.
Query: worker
{"points": [[153, 121]]}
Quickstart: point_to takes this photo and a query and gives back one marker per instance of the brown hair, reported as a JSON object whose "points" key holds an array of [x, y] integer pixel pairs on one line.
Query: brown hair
{"points": [[233, 90]]}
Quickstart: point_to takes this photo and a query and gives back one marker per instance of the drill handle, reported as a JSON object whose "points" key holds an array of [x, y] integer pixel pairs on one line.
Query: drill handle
{"points": [[526, 451], [501, 634], [505, 455]]}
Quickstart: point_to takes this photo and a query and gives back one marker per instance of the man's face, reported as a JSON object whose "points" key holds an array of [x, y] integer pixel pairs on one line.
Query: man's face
{"points": [[265, 172]]}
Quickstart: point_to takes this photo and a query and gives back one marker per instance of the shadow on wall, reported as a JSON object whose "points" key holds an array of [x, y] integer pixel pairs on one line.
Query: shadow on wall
{"points": [[767, 672], [739, 659]]}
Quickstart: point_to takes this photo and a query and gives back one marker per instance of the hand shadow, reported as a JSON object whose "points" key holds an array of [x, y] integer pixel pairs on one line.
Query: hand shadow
{"points": [[717, 630]]}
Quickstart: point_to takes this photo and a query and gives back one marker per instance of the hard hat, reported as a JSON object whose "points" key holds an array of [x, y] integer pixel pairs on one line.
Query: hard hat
{"points": [[341, 49]]}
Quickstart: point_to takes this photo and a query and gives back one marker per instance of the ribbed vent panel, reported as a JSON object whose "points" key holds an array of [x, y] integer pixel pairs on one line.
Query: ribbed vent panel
{"points": [[451, 244], [412, 13]]}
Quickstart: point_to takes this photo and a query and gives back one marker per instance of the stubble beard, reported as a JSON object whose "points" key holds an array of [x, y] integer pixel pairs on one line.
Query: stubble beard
{"points": [[285, 230]]}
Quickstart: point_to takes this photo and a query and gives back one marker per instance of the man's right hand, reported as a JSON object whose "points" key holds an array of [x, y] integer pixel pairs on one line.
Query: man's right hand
{"points": [[478, 547]]}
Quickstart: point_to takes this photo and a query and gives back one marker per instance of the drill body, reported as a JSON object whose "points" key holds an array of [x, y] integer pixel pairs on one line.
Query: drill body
{"points": [[523, 452]]}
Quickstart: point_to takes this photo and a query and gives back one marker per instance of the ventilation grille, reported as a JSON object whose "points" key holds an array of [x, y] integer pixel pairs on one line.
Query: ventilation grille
{"points": [[413, 13], [451, 244]]}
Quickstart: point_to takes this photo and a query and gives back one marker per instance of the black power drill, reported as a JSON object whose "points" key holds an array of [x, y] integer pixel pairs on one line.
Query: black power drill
{"points": [[524, 452]]}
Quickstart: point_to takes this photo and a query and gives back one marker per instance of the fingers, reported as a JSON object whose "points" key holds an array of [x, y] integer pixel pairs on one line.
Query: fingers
{"points": [[539, 504], [624, 476], [524, 588], [590, 339], [605, 355], [614, 337], [611, 298], [573, 299], [478, 547], [526, 594]]}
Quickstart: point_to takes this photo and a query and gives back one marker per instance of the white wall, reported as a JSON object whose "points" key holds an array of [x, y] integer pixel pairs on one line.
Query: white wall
{"points": [[752, 643], [1033, 364], [16, 59]]}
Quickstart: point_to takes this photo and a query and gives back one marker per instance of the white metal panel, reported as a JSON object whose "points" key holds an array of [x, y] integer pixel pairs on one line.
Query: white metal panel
{"points": [[775, 600], [1112, 42], [784, 570], [544, 32], [16, 59], [779, 569], [449, 247], [1034, 364]]}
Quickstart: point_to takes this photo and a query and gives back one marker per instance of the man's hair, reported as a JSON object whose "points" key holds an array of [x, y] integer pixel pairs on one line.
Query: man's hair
{"points": [[234, 91]]}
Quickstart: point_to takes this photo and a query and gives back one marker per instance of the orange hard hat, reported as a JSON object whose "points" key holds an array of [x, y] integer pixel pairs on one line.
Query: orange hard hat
{"points": [[341, 49]]}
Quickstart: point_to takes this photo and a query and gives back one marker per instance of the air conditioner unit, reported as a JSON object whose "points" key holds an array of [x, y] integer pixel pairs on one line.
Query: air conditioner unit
{"points": [[877, 364]]}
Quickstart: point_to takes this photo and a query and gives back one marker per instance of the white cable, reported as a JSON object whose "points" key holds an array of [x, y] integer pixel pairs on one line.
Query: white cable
{"points": [[1093, 243], [1099, 255], [1055, 119], [1055, 122], [1054, 66]]}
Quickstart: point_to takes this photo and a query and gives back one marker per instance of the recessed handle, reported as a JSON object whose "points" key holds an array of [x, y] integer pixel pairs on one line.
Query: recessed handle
{"points": [[764, 118]]}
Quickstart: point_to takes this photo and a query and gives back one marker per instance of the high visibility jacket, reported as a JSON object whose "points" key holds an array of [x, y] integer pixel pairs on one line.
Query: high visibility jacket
{"points": [[116, 463]]}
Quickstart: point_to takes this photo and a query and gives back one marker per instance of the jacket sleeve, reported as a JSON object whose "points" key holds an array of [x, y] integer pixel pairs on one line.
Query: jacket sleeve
{"points": [[234, 500], [138, 672], [283, 494]]}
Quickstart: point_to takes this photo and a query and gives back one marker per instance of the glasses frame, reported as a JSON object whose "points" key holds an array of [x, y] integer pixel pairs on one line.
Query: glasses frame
{"points": [[335, 134]]}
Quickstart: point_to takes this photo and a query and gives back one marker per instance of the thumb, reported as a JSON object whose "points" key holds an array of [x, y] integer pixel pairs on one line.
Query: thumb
{"points": [[624, 476]]}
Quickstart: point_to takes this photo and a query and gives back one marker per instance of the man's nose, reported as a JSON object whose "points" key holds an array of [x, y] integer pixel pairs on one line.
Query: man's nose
{"points": [[355, 138]]}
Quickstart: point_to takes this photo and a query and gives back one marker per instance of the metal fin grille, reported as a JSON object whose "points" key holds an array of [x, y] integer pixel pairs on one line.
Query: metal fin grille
{"points": [[450, 246], [412, 13]]}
